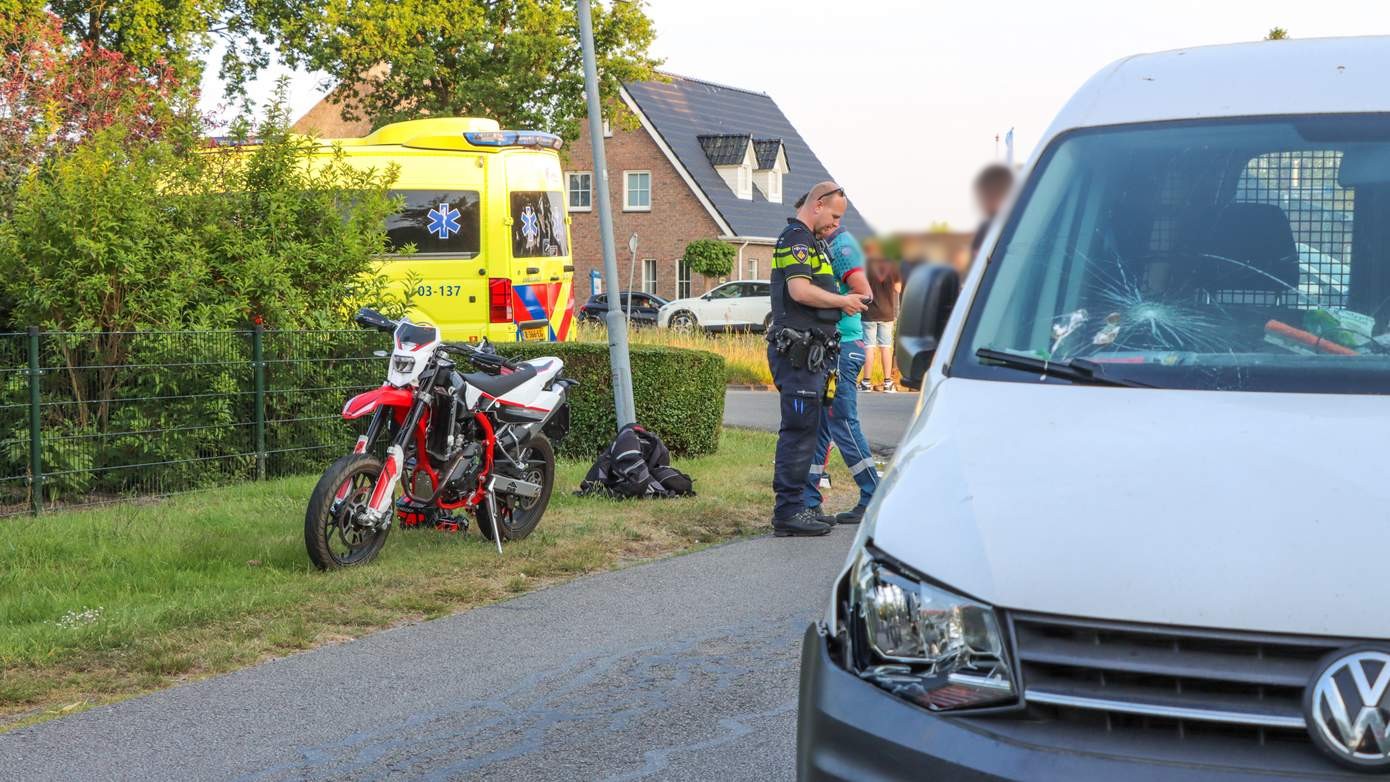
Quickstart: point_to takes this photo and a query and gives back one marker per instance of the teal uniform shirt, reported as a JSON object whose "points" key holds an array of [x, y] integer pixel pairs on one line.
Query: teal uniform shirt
{"points": [[846, 259]]}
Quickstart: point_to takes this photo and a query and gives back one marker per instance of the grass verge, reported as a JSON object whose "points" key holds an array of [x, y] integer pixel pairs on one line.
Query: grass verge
{"points": [[104, 604], [745, 354]]}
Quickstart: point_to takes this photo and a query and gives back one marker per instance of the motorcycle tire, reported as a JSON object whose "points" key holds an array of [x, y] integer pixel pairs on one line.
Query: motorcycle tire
{"points": [[519, 521], [328, 520]]}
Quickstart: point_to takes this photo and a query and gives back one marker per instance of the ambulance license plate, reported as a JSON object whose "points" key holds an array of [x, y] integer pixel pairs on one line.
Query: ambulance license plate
{"points": [[537, 334]]}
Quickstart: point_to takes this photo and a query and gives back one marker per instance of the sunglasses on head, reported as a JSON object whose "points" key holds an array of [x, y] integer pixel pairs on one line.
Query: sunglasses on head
{"points": [[836, 191]]}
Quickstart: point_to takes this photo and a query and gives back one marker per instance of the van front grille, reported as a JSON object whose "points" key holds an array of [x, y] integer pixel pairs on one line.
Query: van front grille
{"points": [[1184, 682]]}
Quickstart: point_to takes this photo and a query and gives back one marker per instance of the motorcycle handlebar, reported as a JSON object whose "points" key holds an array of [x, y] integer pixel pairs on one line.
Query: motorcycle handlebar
{"points": [[478, 357], [371, 319]]}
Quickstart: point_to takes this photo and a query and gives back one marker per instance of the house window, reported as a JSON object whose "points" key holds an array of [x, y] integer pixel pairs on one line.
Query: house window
{"points": [[774, 186], [581, 191], [607, 129], [649, 275], [752, 269], [744, 191], [637, 191], [683, 279]]}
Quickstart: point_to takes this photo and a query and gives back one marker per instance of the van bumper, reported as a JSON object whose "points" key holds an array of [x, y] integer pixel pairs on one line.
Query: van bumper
{"points": [[849, 729]]}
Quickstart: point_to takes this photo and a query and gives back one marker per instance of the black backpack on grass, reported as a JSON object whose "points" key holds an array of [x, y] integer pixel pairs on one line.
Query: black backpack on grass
{"points": [[635, 464]]}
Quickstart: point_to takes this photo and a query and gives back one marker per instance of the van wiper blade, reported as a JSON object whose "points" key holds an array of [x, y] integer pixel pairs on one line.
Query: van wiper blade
{"points": [[1077, 370]]}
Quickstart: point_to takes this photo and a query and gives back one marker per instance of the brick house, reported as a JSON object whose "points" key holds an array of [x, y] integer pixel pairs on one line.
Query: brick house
{"points": [[703, 161]]}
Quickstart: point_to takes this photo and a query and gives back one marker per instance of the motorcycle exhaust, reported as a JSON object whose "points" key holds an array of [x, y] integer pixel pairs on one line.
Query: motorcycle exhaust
{"points": [[502, 484]]}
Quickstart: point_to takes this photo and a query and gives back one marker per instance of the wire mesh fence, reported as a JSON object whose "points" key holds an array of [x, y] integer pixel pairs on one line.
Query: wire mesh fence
{"points": [[89, 418]]}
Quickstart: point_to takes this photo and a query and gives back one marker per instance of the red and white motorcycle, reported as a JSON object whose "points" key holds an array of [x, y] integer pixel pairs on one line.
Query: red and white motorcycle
{"points": [[459, 443]]}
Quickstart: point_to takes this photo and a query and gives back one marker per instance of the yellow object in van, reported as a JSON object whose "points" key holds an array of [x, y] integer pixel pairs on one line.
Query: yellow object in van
{"points": [[485, 210]]}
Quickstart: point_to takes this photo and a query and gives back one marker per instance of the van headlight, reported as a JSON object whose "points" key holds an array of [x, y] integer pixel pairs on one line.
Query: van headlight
{"points": [[924, 643]]}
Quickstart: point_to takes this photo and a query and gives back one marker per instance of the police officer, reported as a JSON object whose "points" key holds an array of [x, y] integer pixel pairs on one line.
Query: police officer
{"points": [[802, 345]]}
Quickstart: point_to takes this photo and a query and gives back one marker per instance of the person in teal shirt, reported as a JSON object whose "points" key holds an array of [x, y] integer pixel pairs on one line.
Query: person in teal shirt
{"points": [[839, 423]]}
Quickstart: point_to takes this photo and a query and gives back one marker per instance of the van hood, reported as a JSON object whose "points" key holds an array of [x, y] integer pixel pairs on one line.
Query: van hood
{"points": [[1253, 511]]}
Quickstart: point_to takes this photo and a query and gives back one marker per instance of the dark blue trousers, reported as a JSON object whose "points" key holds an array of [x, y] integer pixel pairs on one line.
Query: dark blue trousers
{"points": [[800, 391]]}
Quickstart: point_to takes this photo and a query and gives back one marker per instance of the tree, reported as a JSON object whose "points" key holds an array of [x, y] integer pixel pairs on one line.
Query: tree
{"points": [[1277, 34], [517, 61], [710, 257], [54, 93]]}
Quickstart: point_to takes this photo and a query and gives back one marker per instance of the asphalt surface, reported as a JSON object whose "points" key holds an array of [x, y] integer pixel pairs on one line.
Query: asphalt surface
{"points": [[884, 417], [683, 669]]}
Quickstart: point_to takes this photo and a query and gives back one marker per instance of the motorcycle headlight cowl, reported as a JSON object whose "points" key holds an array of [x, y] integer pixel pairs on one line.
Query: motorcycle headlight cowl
{"points": [[925, 644]]}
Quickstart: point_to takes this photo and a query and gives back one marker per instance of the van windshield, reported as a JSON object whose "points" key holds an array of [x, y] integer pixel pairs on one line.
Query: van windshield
{"points": [[1221, 255]]}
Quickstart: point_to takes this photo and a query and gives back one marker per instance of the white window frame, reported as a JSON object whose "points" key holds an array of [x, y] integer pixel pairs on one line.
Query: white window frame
{"points": [[649, 283], [607, 129], [569, 190], [683, 279], [752, 269], [627, 192]]}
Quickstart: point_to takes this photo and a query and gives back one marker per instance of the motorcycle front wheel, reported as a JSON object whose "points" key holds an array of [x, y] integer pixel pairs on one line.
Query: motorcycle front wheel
{"points": [[519, 517], [332, 535]]}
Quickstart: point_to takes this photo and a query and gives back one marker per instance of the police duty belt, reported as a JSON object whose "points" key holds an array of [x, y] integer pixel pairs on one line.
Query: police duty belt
{"points": [[805, 348]]}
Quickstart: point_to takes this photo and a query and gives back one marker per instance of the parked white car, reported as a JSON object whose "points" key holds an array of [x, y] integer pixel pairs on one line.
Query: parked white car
{"points": [[1136, 530], [745, 304]]}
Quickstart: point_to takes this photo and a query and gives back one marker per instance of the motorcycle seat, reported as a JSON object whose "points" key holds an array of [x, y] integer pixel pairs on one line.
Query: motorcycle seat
{"points": [[499, 385]]}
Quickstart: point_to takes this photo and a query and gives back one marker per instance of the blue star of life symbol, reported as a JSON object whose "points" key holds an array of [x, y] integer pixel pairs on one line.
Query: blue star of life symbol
{"points": [[444, 221], [530, 228]]}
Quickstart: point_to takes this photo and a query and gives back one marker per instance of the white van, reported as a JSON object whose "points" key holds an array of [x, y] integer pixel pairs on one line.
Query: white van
{"points": [[1139, 529]]}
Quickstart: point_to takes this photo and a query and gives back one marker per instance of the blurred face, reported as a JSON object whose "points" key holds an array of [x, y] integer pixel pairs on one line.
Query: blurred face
{"points": [[991, 200], [827, 213]]}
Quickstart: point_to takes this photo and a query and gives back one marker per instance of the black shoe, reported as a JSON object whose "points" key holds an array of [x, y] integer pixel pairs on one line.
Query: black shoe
{"points": [[820, 515], [803, 525], [851, 516]]}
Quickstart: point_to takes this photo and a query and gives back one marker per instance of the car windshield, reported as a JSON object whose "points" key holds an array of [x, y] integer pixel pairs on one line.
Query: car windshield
{"points": [[1223, 255]]}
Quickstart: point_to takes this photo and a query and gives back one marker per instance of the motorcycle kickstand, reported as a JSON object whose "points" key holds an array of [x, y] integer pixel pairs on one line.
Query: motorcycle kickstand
{"points": [[496, 520]]}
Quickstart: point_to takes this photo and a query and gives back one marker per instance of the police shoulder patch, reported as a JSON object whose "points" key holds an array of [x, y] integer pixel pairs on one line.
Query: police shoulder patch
{"points": [[800, 252]]}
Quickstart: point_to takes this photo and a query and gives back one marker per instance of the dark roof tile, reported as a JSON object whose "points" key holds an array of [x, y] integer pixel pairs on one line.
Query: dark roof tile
{"points": [[683, 110], [725, 150]]}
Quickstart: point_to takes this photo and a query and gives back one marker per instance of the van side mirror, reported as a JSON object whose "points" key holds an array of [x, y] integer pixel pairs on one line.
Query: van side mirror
{"points": [[927, 301]]}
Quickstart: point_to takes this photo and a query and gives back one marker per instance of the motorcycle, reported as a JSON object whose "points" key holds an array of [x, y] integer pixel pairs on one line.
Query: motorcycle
{"points": [[458, 443]]}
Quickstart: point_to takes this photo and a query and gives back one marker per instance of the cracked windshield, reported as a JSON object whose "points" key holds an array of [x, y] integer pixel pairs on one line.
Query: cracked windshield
{"points": [[1246, 255]]}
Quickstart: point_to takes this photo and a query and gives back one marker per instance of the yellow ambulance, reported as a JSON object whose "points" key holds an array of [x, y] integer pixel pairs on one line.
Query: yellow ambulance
{"points": [[484, 209]]}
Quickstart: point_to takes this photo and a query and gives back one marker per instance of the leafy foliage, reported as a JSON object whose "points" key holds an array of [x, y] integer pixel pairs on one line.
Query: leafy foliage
{"points": [[517, 61], [710, 257], [54, 94]]}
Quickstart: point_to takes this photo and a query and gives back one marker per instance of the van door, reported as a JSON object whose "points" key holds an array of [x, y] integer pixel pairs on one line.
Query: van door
{"points": [[445, 276], [542, 271]]}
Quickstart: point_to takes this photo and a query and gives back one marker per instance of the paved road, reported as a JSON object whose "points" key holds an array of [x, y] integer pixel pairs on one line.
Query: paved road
{"points": [[684, 669], [883, 416]]}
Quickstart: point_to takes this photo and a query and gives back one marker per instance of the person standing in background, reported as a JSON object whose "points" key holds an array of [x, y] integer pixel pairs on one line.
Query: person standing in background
{"points": [[839, 422], [885, 285], [992, 187]]}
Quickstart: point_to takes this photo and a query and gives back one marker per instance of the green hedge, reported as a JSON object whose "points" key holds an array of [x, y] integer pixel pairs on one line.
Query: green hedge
{"points": [[679, 395]]}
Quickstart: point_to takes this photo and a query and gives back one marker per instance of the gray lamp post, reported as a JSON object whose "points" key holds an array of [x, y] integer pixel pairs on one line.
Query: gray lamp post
{"points": [[617, 327]]}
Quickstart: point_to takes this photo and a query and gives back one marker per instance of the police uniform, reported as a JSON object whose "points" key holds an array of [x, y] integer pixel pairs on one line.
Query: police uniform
{"points": [[802, 344]]}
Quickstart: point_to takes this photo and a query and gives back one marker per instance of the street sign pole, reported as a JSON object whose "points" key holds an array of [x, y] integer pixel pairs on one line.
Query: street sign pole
{"points": [[631, 271], [617, 327]]}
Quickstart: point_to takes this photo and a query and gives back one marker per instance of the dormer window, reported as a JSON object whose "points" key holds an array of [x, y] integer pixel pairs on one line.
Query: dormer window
{"points": [[770, 163], [733, 158]]}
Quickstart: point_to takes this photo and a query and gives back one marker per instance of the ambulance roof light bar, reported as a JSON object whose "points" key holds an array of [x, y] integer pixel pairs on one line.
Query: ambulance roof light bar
{"points": [[513, 138]]}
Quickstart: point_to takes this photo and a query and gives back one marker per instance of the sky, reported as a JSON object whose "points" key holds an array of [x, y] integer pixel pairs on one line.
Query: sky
{"points": [[902, 100]]}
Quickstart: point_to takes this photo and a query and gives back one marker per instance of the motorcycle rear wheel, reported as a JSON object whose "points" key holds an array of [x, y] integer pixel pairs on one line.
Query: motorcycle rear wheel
{"points": [[520, 520], [331, 536]]}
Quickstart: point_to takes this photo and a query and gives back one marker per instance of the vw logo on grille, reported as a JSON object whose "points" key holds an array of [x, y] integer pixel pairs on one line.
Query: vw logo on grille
{"points": [[1348, 708]]}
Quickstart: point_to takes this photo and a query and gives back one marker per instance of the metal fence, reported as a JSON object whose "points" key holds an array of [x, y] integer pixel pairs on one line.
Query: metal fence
{"points": [[94, 417]]}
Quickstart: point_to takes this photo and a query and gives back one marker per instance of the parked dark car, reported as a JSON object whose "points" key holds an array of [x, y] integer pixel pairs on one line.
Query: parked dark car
{"points": [[644, 307]]}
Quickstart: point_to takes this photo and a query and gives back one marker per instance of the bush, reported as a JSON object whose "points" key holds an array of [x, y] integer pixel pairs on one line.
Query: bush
{"points": [[710, 257], [679, 395]]}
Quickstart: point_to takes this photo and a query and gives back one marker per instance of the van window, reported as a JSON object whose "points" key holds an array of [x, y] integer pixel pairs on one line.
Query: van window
{"points": [[1213, 254], [437, 222], [538, 224]]}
